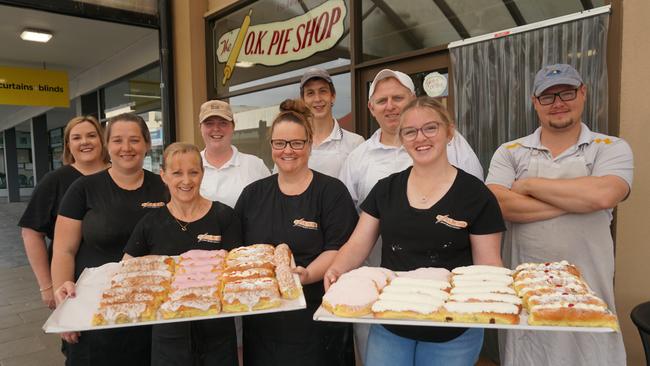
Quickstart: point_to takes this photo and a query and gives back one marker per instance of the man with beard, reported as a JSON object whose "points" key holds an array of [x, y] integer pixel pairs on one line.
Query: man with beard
{"points": [[557, 188]]}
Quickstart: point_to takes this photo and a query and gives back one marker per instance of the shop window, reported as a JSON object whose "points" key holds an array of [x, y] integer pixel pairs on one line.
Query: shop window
{"points": [[24, 158], [140, 93], [254, 113], [280, 38], [56, 148], [3, 171], [535, 10], [392, 27]]}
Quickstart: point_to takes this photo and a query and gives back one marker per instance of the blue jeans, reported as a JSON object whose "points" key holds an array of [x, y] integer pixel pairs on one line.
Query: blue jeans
{"points": [[386, 348]]}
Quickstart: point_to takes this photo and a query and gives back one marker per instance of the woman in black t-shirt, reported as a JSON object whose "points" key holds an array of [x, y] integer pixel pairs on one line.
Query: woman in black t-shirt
{"points": [[188, 222], [83, 154], [96, 218], [313, 213], [429, 215]]}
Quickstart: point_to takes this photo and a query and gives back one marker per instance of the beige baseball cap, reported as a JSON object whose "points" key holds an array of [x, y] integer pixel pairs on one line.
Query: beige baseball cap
{"points": [[217, 108]]}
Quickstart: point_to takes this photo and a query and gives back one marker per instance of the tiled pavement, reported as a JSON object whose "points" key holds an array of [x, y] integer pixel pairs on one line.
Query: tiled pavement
{"points": [[22, 341]]}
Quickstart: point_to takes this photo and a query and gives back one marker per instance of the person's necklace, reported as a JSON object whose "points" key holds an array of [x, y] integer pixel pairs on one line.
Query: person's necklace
{"points": [[423, 198], [183, 226]]}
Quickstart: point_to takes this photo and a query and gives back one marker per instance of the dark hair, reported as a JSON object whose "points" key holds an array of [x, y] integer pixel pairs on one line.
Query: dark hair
{"points": [[295, 110], [67, 156], [180, 148], [129, 117], [331, 85]]}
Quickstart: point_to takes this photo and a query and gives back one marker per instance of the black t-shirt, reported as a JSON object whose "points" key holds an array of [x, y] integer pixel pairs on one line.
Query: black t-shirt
{"points": [[109, 214], [40, 214], [433, 237], [159, 233], [319, 219]]}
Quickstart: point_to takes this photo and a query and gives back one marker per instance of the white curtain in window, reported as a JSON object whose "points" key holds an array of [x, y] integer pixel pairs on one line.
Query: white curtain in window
{"points": [[493, 80]]}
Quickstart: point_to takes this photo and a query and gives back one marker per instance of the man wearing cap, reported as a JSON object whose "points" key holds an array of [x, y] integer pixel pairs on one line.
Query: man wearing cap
{"points": [[227, 171], [332, 144], [557, 188], [382, 154]]}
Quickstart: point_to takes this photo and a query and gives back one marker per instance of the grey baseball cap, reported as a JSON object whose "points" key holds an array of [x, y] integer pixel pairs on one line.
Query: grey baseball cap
{"points": [[315, 73], [558, 74]]}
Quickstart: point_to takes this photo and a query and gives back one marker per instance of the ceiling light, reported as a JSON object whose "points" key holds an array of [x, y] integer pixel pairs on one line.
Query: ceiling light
{"points": [[36, 35]]}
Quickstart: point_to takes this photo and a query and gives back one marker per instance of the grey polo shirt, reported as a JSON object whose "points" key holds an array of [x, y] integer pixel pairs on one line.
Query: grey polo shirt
{"points": [[603, 154]]}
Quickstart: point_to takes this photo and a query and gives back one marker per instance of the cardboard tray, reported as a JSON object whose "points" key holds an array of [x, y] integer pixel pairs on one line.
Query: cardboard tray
{"points": [[75, 314], [324, 315]]}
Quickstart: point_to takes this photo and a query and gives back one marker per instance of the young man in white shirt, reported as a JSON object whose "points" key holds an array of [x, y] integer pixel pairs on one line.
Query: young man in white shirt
{"points": [[332, 144]]}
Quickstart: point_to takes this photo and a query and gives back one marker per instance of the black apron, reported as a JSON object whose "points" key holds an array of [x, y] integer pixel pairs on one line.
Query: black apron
{"points": [[294, 338], [196, 343]]}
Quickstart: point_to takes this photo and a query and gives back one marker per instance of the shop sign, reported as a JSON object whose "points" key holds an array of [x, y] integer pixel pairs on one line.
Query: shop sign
{"points": [[33, 87], [277, 43]]}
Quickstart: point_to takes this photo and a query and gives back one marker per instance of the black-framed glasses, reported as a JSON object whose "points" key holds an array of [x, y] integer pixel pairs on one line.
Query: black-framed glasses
{"points": [[278, 144], [565, 96], [429, 129]]}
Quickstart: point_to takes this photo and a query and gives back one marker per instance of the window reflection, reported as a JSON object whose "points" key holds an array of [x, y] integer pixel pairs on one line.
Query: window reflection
{"points": [[24, 155], [391, 27], [255, 112], [3, 170], [140, 94]]}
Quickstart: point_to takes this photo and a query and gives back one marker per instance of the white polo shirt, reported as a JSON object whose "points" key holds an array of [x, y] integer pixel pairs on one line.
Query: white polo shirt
{"points": [[329, 156], [226, 183], [372, 161]]}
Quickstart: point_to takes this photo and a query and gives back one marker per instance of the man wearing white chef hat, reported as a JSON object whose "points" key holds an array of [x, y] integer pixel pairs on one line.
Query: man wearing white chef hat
{"points": [[557, 188], [382, 154]]}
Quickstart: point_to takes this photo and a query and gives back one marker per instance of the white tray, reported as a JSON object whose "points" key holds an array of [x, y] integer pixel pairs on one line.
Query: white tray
{"points": [[75, 314], [324, 315]]}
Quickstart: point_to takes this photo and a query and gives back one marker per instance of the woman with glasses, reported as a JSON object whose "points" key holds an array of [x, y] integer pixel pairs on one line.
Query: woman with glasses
{"points": [[314, 214], [429, 214]]}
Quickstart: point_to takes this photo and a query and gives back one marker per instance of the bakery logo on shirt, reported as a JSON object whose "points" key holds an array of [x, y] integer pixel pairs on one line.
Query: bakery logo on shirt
{"points": [[209, 238], [454, 224], [152, 204], [305, 224]]}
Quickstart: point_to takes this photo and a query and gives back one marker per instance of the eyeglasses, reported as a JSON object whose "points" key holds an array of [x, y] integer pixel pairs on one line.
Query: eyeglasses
{"points": [[428, 130], [281, 144], [565, 96]]}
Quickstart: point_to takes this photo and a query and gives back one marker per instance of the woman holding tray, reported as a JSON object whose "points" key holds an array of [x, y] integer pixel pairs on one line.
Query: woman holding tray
{"points": [[430, 215], [314, 214], [96, 218], [84, 153], [188, 222]]}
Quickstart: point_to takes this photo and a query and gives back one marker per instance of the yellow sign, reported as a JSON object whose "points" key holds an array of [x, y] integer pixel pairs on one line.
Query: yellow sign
{"points": [[20, 86]]}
